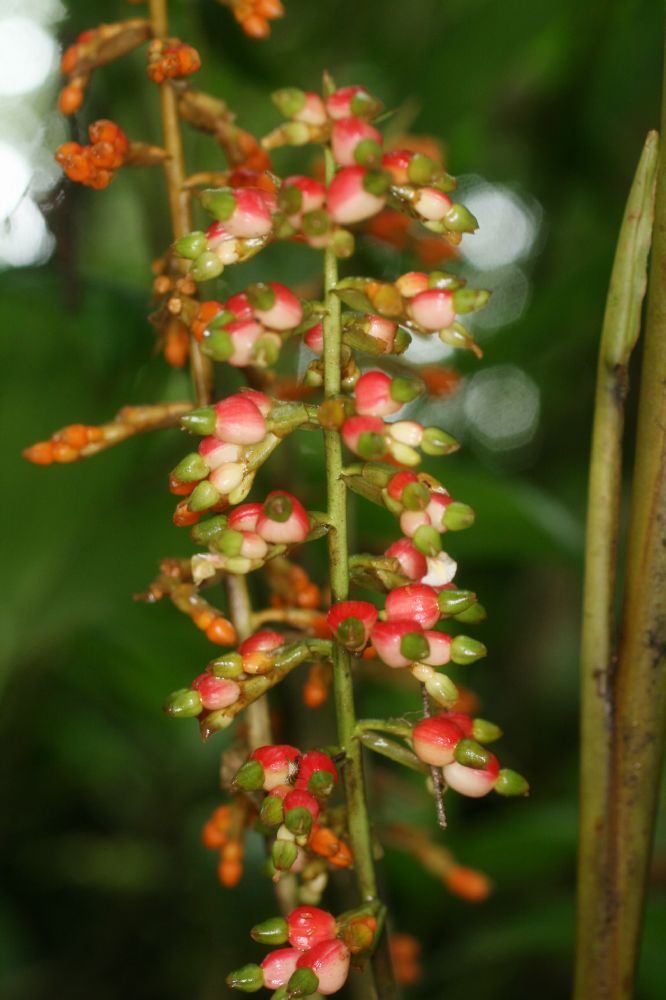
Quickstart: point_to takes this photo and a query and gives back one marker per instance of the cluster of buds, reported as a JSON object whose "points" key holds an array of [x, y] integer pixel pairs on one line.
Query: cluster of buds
{"points": [[254, 15], [317, 955], [375, 440], [64, 446], [422, 303], [94, 48], [171, 59], [223, 832], [297, 787], [94, 165], [250, 327], [454, 742], [291, 586]]}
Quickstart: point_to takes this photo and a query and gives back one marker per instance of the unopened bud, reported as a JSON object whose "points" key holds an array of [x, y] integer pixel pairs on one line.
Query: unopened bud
{"points": [[203, 496], [437, 442], [414, 646], [207, 266], [228, 666], [184, 704], [298, 821], [218, 345], [485, 732], [247, 979], [467, 300], [273, 931], [250, 777], [458, 516], [453, 602], [466, 650], [200, 421], [191, 246], [303, 983], [459, 219], [272, 811], [284, 854], [511, 783], [427, 540], [441, 689], [191, 469], [469, 753]]}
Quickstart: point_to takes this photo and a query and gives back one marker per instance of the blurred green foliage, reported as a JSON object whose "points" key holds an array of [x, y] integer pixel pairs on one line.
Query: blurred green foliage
{"points": [[106, 888]]}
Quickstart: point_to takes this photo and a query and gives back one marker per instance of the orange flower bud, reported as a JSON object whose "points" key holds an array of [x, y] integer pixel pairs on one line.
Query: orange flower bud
{"points": [[221, 632], [176, 343], [468, 883], [63, 452], [75, 435], [71, 98], [183, 517], [40, 453]]}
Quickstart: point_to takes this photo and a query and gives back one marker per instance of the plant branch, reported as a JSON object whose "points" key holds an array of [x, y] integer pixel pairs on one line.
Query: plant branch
{"points": [[596, 893], [383, 987]]}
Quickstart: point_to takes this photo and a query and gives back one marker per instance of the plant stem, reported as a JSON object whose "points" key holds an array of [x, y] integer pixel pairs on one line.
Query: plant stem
{"points": [[596, 892], [179, 198], [640, 686], [383, 987]]}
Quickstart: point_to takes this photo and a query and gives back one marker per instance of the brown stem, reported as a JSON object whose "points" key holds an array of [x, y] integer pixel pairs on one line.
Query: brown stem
{"points": [[178, 196]]}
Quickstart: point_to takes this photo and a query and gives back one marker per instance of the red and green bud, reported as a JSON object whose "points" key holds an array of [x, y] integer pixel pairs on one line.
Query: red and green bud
{"points": [[365, 437], [271, 812], [355, 194], [284, 854], [412, 562], [399, 642], [279, 967], [414, 602], [238, 420], [216, 692], [303, 983], [329, 960], [435, 740], [278, 763], [308, 926], [470, 781], [347, 135], [470, 753], [432, 309], [351, 622], [316, 769], [355, 101], [283, 519]]}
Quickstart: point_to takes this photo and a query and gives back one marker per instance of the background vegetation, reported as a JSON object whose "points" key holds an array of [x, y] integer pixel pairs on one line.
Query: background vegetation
{"points": [[106, 887]]}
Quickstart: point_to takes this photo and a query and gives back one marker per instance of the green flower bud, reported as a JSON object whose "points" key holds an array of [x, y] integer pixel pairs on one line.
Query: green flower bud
{"points": [[368, 153], [191, 246], [298, 821], [272, 811], [474, 615], [278, 508], [466, 650], [511, 783], [441, 689], [261, 296], [184, 704], [249, 777], [377, 182], [459, 219], [364, 105], [229, 542], [316, 223], [190, 469], [273, 931], [420, 169], [414, 646], [303, 983], [472, 754], [458, 516], [219, 202], [401, 342], [206, 266], [427, 540], [404, 390], [342, 244], [284, 854], [289, 101], [200, 421], [485, 732], [290, 199], [321, 783], [442, 279], [452, 602], [247, 979], [371, 445], [229, 666], [203, 496], [438, 442], [204, 532], [467, 300], [218, 345]]}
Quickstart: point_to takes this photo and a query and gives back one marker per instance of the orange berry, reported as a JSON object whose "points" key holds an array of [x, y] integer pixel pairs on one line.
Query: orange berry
{"points": [[70, 57], [270, 9], [468, 883], [103, 154], [176, 344], [221, 632], [64, 452], [94, 433], [222, 817], [369, 653], [309, 597], [298, 578], [183, 517], [203, 619], [324, 842], [212, 836], [70, 98], [233, 850], [343, 858], [40, 453], [75, 435], [256, 26], [229, 873], [99, 179]]}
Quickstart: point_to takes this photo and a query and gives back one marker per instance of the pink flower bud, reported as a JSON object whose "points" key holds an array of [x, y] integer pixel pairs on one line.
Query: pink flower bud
{"points": [[412, 284], [298, 798], [408, 432], [351, 621], [329, 960], [264, 641], [216, 692], [279, 966], [433, 309], [348, 199], [244, 335], [227, 477], [412, 562], [283, 519], [346, 135], [239, 421], [215, 452], [312, 762], [435, 740], [372, 393], [309, 926], [471, 781], [253, 546], [313, 111], [339, 104], [365, 436], [313, 196], [412, 520], [414, 602], [382, 330], [244, 517], [432, 204], [286, 311], [252, 216], [314, 338], [397, 163], [463, 721], [278, 762], [441, 570], [263, 402], [398, 482], [239, 305], [439, 501], [387, 639], [440, 648]]}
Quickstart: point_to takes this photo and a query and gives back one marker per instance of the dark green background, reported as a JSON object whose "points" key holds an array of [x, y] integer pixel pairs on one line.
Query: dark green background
{"points": [[107, 891]]}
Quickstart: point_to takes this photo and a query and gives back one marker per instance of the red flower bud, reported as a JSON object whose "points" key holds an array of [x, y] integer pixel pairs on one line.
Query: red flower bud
{"points": [[436, 739], [216, 453], [412, 562], [239, 305], [244, 335], [365, 437], [349, 199], [432, 204], [314, 338], [216, 692], [382, 330], [261, 642], [263, 402], [433, 309], [278, 762], [439, 651], [311, 196], [279, 966], [329, 960], [285, 313], [472, 781], [252, 216], [351, 101], [415, 602], [298, 798], [397, 164], [347, 134], [283, 519], [372, 393], [463, 721], [392, 640], [439, 501], [238, 421], [312, 763], [351, 622], [412, 283], [244, 517], [308, 926]]}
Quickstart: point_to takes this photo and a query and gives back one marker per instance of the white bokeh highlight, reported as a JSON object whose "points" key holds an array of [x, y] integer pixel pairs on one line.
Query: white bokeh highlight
{"points": [[27, 55]]}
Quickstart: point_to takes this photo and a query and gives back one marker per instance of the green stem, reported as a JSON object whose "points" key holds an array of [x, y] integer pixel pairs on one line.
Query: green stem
{"points": [[596, 896], [352, 770], [640, 684]]}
